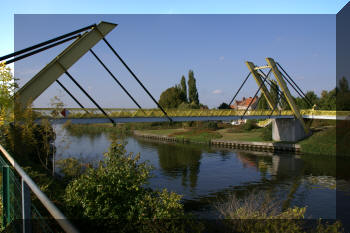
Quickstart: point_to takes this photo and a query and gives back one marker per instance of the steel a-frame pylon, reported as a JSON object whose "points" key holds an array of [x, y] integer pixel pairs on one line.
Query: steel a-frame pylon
{"points": [[271, 64]]}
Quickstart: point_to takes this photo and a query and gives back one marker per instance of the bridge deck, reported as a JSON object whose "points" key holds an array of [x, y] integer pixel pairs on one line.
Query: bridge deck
{"points": [[77, 116]]}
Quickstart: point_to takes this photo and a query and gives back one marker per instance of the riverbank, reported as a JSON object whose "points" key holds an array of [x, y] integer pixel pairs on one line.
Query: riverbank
{"points": [[321, 142], [246, 145]]}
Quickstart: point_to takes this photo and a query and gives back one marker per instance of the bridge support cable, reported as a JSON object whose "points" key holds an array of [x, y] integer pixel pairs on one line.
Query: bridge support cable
{"points": [[277, 90], [257, 92], [91, 99], [115, 79], [257, 76], [239, 89], [62, 62], [40, 50], [71, 95], [135, 77], [273, 86], [46, 42], [279, 96], [303, 97], [292, 82]]}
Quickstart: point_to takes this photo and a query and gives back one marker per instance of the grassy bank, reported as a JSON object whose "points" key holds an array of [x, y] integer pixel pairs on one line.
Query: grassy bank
{"points": [[204, 135], [322, 141]]}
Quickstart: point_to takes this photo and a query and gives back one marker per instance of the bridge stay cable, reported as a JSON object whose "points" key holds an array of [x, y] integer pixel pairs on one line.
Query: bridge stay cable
{"points": [[293, 83], [40, 50], [46, 42], [306, 100], [279, 97], [274, 87], [91, 99], [115, 79], [280, 94], [71, 95], [239, 89], [135, 77], [256, 93]]}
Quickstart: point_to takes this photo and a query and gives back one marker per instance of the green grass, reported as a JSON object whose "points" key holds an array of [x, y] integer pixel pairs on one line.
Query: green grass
{"points": [[321, 142], [197, 135], [162, 132], [254, 135]]}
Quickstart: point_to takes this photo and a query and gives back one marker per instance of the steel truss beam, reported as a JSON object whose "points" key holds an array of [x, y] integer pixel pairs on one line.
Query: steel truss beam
{"points": [[259, 81], [59, 65], [282, 84]]}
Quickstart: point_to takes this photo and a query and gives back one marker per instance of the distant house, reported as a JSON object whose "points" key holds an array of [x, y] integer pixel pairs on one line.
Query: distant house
{"points": [[242, 105]]}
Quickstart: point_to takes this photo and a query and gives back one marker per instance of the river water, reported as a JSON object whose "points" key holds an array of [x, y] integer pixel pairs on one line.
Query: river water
{"points": [[205, 175]]}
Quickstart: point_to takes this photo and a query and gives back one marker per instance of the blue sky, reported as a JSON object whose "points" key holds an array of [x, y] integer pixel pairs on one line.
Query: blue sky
{"points": [[161, 48]]}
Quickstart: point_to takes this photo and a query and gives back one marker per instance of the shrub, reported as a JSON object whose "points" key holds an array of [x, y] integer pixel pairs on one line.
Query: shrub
{"points": [[260, 212], [115, 191], [249, 125], [266, 133]]}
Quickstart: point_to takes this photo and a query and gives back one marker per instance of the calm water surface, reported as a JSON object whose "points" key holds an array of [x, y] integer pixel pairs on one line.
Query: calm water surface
{"points": [[205, 175]]}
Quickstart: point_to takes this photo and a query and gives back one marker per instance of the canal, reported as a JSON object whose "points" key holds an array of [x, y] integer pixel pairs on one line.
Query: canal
{"points": [[206, 175]]}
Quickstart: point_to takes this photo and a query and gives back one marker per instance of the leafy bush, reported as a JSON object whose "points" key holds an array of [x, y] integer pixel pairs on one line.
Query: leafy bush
{"points": [[249, 125], [116, 191], [70, 167], [266, 133], [260, 212]]}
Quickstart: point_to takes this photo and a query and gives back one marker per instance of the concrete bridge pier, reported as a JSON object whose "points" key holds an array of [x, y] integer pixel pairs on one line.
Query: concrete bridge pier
{"points": [[290, 130]]}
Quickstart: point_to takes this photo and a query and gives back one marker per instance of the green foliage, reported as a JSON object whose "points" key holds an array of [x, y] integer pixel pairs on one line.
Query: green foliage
{"points": [[328, 100], [200, 135], [343, 95], [184, 87], [184, 105], [7, 88], [311, 97], [274, 91], [260, 212], [192, 89], [249, 125], [57, 106], [262, 105], [224, 106], [212, 125], [172, 97], [116, 190], [266, 133], [322, 142], [70, 167], [343, 85]]}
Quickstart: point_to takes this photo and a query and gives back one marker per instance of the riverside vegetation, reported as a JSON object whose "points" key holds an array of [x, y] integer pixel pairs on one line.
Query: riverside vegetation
{"points": [[112, 195]]}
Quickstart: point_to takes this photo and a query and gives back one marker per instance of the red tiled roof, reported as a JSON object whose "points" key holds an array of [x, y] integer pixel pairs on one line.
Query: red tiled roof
{"points": [[245, 102]]}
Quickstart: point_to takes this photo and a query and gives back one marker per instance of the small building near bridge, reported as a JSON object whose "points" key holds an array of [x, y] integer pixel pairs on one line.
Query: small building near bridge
{"points": [[243, 105]]}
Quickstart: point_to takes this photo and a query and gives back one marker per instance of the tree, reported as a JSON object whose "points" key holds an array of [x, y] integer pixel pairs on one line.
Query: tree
{"points": [[343, 85], [171, 97], [184, 87], [262, 105], [303, 103], [274, 91], [343, 95], [224, 106], [7, 88], [328, 100], [192, 89], [115, 191]]}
